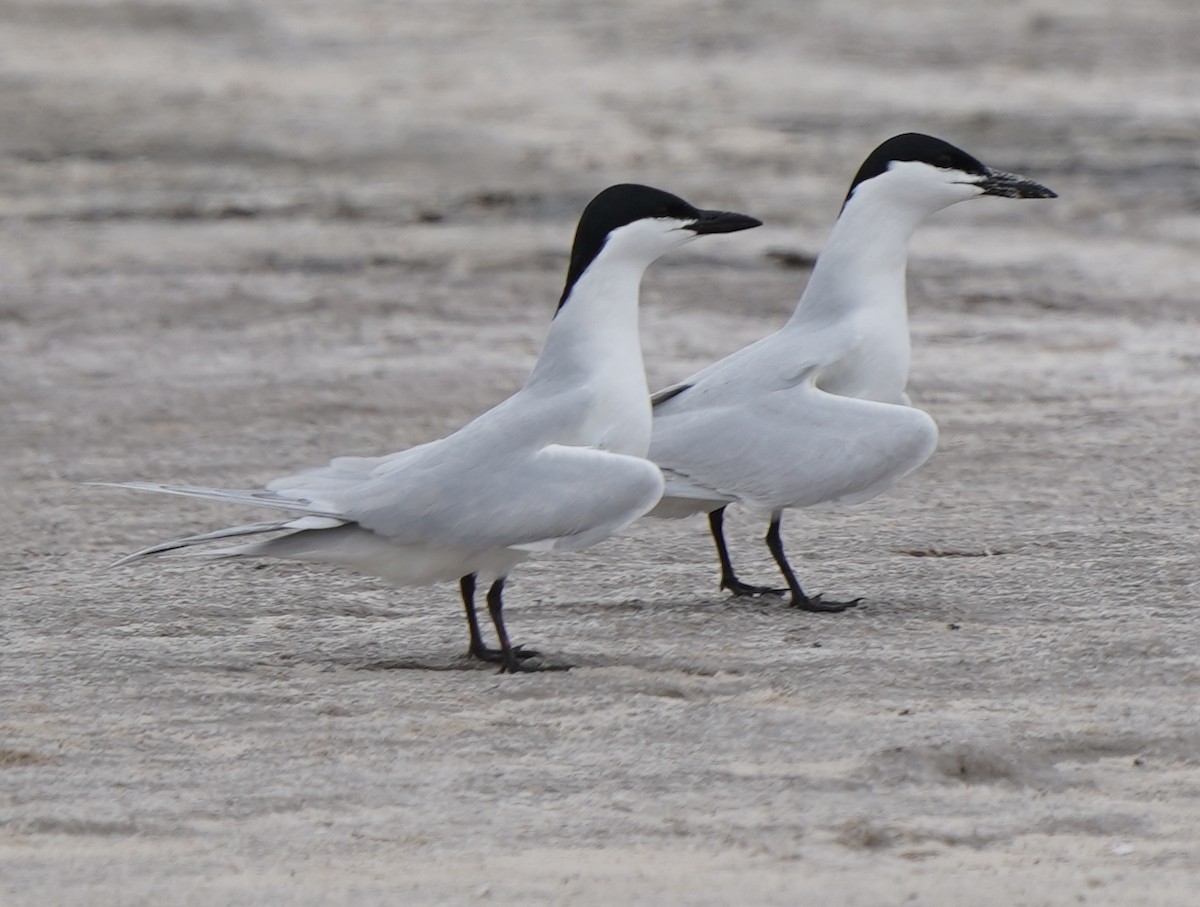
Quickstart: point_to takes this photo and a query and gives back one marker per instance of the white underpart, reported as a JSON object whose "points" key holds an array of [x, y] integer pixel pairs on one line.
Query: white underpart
{"points": [[816, 413], [557, 466]]}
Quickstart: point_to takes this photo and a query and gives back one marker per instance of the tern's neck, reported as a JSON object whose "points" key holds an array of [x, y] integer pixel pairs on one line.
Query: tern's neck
{"points": [[593, 348], [862, 267], [857, 289], [596, 328]]}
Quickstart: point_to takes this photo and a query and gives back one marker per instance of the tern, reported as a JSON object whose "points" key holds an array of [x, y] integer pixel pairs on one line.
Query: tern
{"points": [[558, 466], [816, 413]]}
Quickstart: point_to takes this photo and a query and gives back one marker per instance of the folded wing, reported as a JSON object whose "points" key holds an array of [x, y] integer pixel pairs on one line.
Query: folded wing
{"points": [[794, 447], [554, 498]]}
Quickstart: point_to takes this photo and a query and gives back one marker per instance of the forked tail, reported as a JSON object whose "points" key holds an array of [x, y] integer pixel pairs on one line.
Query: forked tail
{"points": [[313, 516], [292, 525]]}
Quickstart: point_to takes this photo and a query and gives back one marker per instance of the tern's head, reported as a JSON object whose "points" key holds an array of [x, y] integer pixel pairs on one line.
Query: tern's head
{"points": [[631, 224], [927, 174]]}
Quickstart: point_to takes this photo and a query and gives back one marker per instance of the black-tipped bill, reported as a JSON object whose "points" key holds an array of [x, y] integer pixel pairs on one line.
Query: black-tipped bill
{"points": [[722, 222], [1012, 185]]}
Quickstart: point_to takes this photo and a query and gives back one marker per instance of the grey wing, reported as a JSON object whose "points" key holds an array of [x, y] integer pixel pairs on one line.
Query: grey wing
{"points": [[777, 361], [342, 474], [550, 498], [795, 447]]}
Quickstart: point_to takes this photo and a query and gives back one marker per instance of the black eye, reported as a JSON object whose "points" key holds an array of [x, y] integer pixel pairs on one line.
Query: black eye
{"points": [[944, 161]]}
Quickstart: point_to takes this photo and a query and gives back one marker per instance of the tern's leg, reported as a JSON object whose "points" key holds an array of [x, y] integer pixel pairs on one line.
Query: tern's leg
{"points": [[478, 649], [729, 580], [511, 658], [799, 599]]}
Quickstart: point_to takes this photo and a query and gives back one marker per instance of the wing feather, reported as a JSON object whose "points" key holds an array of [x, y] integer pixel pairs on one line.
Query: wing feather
{"points": [[794, 447], [556, 496]]}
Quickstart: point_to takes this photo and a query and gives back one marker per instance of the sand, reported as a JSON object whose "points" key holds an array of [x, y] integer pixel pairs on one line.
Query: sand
{"points": [[240, 238]]}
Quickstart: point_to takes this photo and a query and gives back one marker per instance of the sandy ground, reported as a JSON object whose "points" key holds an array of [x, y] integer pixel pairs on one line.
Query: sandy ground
{"points": [[239, 238]]}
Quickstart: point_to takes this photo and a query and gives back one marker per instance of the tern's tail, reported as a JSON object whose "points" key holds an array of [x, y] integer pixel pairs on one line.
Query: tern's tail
{"points": [[313, 516], [291, 525], [261, 498]]}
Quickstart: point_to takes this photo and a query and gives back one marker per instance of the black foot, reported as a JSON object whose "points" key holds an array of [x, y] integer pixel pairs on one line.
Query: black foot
{"points": [[496, 656], [740, 589], [818, 605]]}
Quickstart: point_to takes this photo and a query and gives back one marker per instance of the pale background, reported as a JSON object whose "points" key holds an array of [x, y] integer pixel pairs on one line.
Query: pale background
{"points": [[239, 238]]}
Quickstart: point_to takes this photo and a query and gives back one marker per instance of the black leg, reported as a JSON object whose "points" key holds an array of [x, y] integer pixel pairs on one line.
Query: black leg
{"points": [[477, 648], [799, 599], [511, 659], [467, 586], [729, 580]]}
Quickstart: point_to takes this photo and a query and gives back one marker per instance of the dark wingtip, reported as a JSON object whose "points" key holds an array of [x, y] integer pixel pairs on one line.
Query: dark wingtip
{"points": [[668, 393]]}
